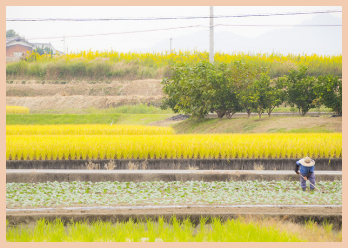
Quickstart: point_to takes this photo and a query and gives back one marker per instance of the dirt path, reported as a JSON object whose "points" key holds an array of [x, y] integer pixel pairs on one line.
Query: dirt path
{"points": [[190, 210], [164, 123]]}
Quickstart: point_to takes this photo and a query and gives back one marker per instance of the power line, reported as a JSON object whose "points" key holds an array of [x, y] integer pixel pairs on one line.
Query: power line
{"points": [[112, 39], [231, 45], [167, 18], [128, 32], [261, 25], [165, 29]]}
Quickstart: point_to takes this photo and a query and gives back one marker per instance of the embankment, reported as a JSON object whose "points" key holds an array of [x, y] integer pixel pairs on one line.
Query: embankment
{"points": [[322, 164]]}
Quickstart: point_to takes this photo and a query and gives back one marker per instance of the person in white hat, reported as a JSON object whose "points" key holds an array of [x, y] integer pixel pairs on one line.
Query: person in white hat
{"points": [[306, 166]]}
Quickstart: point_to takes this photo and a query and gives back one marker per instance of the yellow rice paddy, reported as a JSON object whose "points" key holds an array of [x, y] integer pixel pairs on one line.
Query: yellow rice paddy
{"points": [[45, 147], [17, 110]]}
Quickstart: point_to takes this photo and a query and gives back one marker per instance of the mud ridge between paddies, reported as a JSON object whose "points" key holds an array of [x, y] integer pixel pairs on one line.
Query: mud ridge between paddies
{"points": [[297, 215], [80, 102], [191, 209], [35, 95], [31, 88]]}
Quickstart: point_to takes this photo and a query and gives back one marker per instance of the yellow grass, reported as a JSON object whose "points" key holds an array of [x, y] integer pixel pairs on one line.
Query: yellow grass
{"points": [[43, 147], [17, 110], [86, 129]]}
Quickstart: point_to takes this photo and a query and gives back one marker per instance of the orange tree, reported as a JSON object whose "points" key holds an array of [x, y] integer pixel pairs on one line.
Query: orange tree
{"points": [[300, 90], [205, 87], [329, 92]]}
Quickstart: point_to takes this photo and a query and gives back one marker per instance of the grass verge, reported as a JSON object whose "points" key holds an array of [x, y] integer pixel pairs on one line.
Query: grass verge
{"points": [[273, 124], [106, 118], [126, 109], [43, 119]]}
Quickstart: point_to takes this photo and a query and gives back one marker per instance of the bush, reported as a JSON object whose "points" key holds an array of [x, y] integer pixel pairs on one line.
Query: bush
{"points": [[16, 68], [36, 70]]}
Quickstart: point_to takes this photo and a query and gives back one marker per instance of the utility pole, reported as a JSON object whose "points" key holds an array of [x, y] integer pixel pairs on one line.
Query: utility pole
{"points": [[211, 52], [64, 45], [170, 44]]}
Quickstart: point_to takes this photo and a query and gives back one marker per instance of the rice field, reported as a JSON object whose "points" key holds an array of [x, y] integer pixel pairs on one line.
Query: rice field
{"points": [[96, 65], [239, 230], [211, 146], [87, 129], [17, 110], [166, 58]]}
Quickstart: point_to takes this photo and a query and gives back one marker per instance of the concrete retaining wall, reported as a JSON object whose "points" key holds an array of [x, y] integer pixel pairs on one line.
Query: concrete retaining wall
{"points": [[324, 164], [207, 176]]}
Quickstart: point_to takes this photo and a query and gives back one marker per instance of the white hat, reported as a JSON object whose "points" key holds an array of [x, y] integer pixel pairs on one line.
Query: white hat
{"points": [[307, 161]]}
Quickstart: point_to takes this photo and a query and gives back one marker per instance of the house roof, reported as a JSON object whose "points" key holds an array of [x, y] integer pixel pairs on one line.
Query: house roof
{"points": [[10, 41], [42, 44], [46, 45]]}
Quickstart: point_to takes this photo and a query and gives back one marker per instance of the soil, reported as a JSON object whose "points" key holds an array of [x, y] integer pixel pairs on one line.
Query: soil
{"points": [[148, 87]]}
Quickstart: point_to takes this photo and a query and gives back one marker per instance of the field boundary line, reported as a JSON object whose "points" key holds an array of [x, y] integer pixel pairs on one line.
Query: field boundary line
{"points": [[175, 206]]}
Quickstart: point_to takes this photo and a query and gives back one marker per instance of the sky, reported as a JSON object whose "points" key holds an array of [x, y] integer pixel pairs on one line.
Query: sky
{"points": [[54, 31]]}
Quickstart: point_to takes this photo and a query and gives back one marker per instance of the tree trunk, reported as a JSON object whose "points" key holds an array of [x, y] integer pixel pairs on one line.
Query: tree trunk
{"points": [[302, 113], [260, 112], [338, 111], [220, 114], [270, 111], [229, 114], [248, 112]]}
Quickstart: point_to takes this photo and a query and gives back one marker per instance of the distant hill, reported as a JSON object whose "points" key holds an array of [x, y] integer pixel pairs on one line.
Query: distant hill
{"points": [[297, 40]]}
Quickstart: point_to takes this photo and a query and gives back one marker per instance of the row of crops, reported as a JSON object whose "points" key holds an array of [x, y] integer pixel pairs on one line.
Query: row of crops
{"points": [[17, 110], [54, 194], [208, 230], [101, 64], [135, 142]]}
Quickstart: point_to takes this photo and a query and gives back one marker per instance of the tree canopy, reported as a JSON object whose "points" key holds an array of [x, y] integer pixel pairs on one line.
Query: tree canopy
{"points": [[206, 87], [11, 33], [225, 89], [329, 92], [300, 90]]}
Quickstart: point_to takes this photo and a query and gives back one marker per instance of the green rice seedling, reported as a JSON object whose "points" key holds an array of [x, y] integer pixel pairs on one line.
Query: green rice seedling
{"points": [[130, 231]]}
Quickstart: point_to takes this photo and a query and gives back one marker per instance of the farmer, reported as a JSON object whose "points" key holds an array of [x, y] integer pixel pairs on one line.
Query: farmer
{"points": [[306, 171]]}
